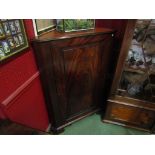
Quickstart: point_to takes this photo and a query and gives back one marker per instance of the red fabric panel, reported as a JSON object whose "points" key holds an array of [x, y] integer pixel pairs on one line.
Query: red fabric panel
{"points": [[29, 28], [117, 24], [15, 73], [2, 115], [29, 108]]}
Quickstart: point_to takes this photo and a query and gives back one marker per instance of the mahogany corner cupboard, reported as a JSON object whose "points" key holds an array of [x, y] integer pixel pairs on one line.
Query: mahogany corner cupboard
{"points": [[132, 98], [73, 68]]}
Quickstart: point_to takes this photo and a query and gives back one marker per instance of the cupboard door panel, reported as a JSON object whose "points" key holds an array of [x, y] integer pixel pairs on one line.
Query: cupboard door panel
{"points": [[81, 66]]}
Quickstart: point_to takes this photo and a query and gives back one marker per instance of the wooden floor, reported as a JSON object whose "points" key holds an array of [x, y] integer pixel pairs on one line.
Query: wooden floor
{"points": [[9, 128]]}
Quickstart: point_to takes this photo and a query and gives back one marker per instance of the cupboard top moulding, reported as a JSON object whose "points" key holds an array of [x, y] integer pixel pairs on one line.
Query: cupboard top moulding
{"points": [[55, 35], [73, 69]]}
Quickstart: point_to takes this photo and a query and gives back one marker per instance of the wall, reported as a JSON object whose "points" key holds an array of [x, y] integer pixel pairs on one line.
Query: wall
{"points": [[117, 24], [21, 95]]}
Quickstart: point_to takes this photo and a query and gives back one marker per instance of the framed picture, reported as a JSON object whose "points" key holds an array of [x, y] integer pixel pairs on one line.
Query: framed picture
{"points": [[6, 47], [13, 38], [16, 40], [2, 54], [21, 39], [6, 28], [11, 42], [17, 26], [42, 26], [2, 34], [12, 27]]}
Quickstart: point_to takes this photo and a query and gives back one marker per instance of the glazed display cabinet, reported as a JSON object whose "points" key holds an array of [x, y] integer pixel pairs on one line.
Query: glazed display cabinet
{"points": [[132, 98]]}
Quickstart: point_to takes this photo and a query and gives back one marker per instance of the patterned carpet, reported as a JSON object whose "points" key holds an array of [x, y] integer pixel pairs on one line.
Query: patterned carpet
{"points": [[93, 125]]}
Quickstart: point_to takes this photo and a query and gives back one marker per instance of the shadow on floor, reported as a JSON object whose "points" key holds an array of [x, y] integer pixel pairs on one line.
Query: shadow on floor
{"points": [[10, 128]]}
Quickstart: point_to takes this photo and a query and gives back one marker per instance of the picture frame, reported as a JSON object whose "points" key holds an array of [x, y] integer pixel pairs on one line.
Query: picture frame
{"points": [[11, 42], [12, 27], [16, 40], [13, 38], [20, 38], [42, 26], [2, 34], [5, 47], [6, 28], [2, 54], [17, 25]]}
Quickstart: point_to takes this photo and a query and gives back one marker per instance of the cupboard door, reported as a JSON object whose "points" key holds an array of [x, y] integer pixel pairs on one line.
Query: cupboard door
{"points": [[82, 67], [80, 76]]}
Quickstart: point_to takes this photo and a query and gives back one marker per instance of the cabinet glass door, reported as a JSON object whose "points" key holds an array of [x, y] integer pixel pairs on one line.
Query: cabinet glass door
{"points": [[138, 76]]}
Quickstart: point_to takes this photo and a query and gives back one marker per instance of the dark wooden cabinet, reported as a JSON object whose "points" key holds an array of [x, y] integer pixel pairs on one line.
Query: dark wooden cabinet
{"points": [[73, 68], [132, 100]]}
